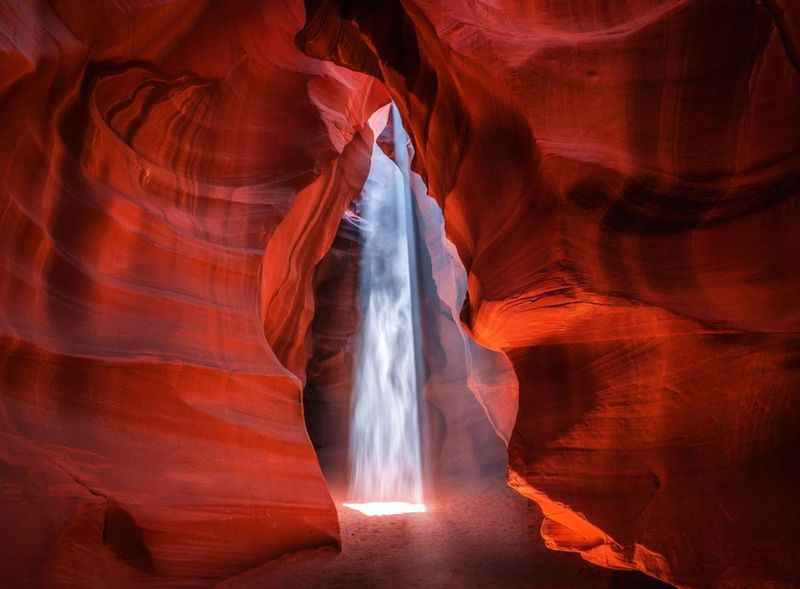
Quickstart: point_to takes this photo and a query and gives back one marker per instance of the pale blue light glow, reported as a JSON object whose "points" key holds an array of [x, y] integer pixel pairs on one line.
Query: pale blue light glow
{"points": [[385, 454]]}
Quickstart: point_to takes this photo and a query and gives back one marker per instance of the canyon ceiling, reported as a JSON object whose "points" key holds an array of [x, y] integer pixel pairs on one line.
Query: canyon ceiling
{"points": [[619, 178]]}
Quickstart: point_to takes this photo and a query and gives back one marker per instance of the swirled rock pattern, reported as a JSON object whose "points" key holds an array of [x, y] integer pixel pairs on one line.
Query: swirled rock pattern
{"points": [[619, 179], [621, 182], [173, 172]]}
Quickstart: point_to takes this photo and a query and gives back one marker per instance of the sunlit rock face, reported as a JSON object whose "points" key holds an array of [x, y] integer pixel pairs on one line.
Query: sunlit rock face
{"points": [[620, 180], [172, 174]]}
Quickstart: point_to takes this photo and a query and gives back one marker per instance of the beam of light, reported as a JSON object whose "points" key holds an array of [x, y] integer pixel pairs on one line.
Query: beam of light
{"points": [[387, 508], [385, 455]]}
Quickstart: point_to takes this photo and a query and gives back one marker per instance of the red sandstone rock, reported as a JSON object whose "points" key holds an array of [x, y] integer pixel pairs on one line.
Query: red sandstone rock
{"points": [[619, 179], [172, 173], [621, 182]]}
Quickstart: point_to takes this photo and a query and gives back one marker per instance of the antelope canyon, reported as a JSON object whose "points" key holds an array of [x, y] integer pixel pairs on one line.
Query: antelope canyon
{"points": [[400, 293]]}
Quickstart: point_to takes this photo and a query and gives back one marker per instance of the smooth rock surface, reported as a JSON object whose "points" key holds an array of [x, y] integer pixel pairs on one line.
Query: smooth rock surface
{"points": [[621, 182], [172, 175]]}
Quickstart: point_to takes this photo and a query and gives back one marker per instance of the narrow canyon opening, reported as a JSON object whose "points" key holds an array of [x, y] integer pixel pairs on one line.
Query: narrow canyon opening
{"points": [[401, 406], [392, 402]]}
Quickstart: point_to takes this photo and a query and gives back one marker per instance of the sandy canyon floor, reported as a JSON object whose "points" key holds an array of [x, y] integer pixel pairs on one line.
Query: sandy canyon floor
{"points": [[485, 537]]}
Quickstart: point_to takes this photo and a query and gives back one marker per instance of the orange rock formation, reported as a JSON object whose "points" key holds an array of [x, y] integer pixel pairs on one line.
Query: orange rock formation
{"points": [[621, 182], [619, 179], [172, 175]]}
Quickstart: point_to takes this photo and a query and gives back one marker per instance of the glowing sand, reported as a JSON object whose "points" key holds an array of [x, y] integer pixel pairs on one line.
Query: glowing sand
{"points": [[387, 508]]}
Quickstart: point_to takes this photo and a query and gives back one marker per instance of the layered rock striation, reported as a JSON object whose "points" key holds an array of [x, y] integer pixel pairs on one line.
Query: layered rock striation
{"points": [[621, 183], [618, 179], [172, 174]]}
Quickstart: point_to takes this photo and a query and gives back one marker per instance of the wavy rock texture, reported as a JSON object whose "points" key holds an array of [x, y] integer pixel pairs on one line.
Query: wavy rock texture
{"points": [[621, 182], [172, 174]]}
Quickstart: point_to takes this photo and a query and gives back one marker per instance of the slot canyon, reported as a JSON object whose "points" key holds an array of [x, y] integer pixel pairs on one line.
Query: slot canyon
{"points": [[591, 351]]}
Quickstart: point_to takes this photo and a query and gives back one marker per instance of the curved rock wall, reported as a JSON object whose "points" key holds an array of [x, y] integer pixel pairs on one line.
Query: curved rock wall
{"points": [[619, 179], [337, 319], [172, 174], [621, 182]]}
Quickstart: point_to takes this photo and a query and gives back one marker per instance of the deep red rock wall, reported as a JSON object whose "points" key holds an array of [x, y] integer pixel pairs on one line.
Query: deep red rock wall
{"points": [[172, 174], [619, 179], [621, 182]]}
